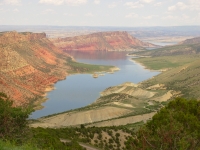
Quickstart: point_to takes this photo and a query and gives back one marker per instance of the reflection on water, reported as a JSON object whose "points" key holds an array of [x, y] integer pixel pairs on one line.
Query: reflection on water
{"points": [[82, 89], [97, 55]]}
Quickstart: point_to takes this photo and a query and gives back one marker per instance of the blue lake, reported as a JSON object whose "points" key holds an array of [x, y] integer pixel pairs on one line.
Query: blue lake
{"points": [[82, 89]]}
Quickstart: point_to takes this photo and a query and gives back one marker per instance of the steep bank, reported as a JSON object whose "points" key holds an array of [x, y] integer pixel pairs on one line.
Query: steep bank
{"points": [[29, 64], [107, 41]]}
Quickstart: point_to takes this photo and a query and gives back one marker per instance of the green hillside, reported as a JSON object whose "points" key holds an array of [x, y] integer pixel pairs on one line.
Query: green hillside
{"points": [[184, 78], [180, 66], [181, 49]]}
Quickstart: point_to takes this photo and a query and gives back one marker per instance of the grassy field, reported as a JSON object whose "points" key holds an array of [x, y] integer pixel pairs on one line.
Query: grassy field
{"points": [[166, 62], [76, 67], [183, 73], [182, 49], [181, 66]]}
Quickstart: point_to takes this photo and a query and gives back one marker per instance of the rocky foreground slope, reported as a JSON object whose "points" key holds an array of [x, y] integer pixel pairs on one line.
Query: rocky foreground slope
{"points": [[107, 41], [29, 63]]}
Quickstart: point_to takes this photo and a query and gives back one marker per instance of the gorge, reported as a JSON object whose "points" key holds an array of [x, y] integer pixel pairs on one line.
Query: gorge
{"points": [[30, 63]]}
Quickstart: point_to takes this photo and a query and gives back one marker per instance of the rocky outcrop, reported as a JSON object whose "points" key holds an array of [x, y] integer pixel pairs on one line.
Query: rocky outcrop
{"points": [[29, 63], [108, 41], [15, 37]]}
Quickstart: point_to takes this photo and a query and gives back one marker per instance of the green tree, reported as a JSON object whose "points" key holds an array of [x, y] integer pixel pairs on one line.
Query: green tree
{"points": [[13, 120], [177, 126]]}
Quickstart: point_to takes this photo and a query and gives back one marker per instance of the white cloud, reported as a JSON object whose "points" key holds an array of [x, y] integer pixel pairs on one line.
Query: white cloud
{"points": [[89, 15], [12, 2], [138, 4], [170, 17], [158, 4], [75, 2], [194, 4], [68, 14], [113, 5], [60, 2], [134, 4], [16, 10], [131, 15], [147, 1], [96, 1], [178, 6], [48, 11], [184, 16], [181, 5], [54, 2], [150, 17], [172, 8]]}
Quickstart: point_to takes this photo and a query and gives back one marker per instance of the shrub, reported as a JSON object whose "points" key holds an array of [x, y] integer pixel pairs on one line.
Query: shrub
{"points": [[177, 126], [13, 120]]}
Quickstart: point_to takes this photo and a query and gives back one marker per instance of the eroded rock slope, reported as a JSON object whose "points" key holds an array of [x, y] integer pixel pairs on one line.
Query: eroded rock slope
{"points": [[108, 41], [29, 63]]}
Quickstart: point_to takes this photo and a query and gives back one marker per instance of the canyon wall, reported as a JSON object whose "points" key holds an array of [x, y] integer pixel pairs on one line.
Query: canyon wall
{"points": [[29, 63], [108, 41]]}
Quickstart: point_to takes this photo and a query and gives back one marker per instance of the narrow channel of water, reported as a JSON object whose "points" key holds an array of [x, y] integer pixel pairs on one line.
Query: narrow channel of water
{"points": [[82, 89]]}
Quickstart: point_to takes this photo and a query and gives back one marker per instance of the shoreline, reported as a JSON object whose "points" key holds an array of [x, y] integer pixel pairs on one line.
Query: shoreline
{"points": [[38, 103], [51, 87], [145, 67]]}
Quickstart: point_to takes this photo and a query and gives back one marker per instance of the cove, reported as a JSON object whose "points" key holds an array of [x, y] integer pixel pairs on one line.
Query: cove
{"points": [[80, 90]]}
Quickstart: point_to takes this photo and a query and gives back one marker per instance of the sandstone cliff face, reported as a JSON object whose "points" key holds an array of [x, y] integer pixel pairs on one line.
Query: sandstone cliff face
{"points": [[15, 37], [29, 63], [108, 41]]}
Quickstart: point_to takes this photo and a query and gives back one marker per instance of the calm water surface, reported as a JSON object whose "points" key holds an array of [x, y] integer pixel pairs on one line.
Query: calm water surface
{"points": [[82, 89]]}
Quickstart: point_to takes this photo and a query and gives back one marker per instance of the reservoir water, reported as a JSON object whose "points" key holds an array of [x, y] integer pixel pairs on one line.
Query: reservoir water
{"points": [[82, 89]]}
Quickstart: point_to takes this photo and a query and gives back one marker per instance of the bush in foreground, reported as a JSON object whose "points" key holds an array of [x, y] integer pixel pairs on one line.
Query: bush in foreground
{"points": [[6, 145], [177, 126], [13, 120], [15, 133]]}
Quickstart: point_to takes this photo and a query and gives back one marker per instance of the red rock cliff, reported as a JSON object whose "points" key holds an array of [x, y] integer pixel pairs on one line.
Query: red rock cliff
{"points": [[15, 37], [109, 41], [29, 63]]}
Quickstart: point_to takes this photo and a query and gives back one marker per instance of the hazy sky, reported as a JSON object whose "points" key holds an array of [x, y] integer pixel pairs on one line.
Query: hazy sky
{"points": [[100, 12]]}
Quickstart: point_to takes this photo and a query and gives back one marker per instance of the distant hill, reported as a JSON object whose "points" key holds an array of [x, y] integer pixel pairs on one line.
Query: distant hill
{"points": [[179, 49], [138, 32], [195, 40], [108, 41]]}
